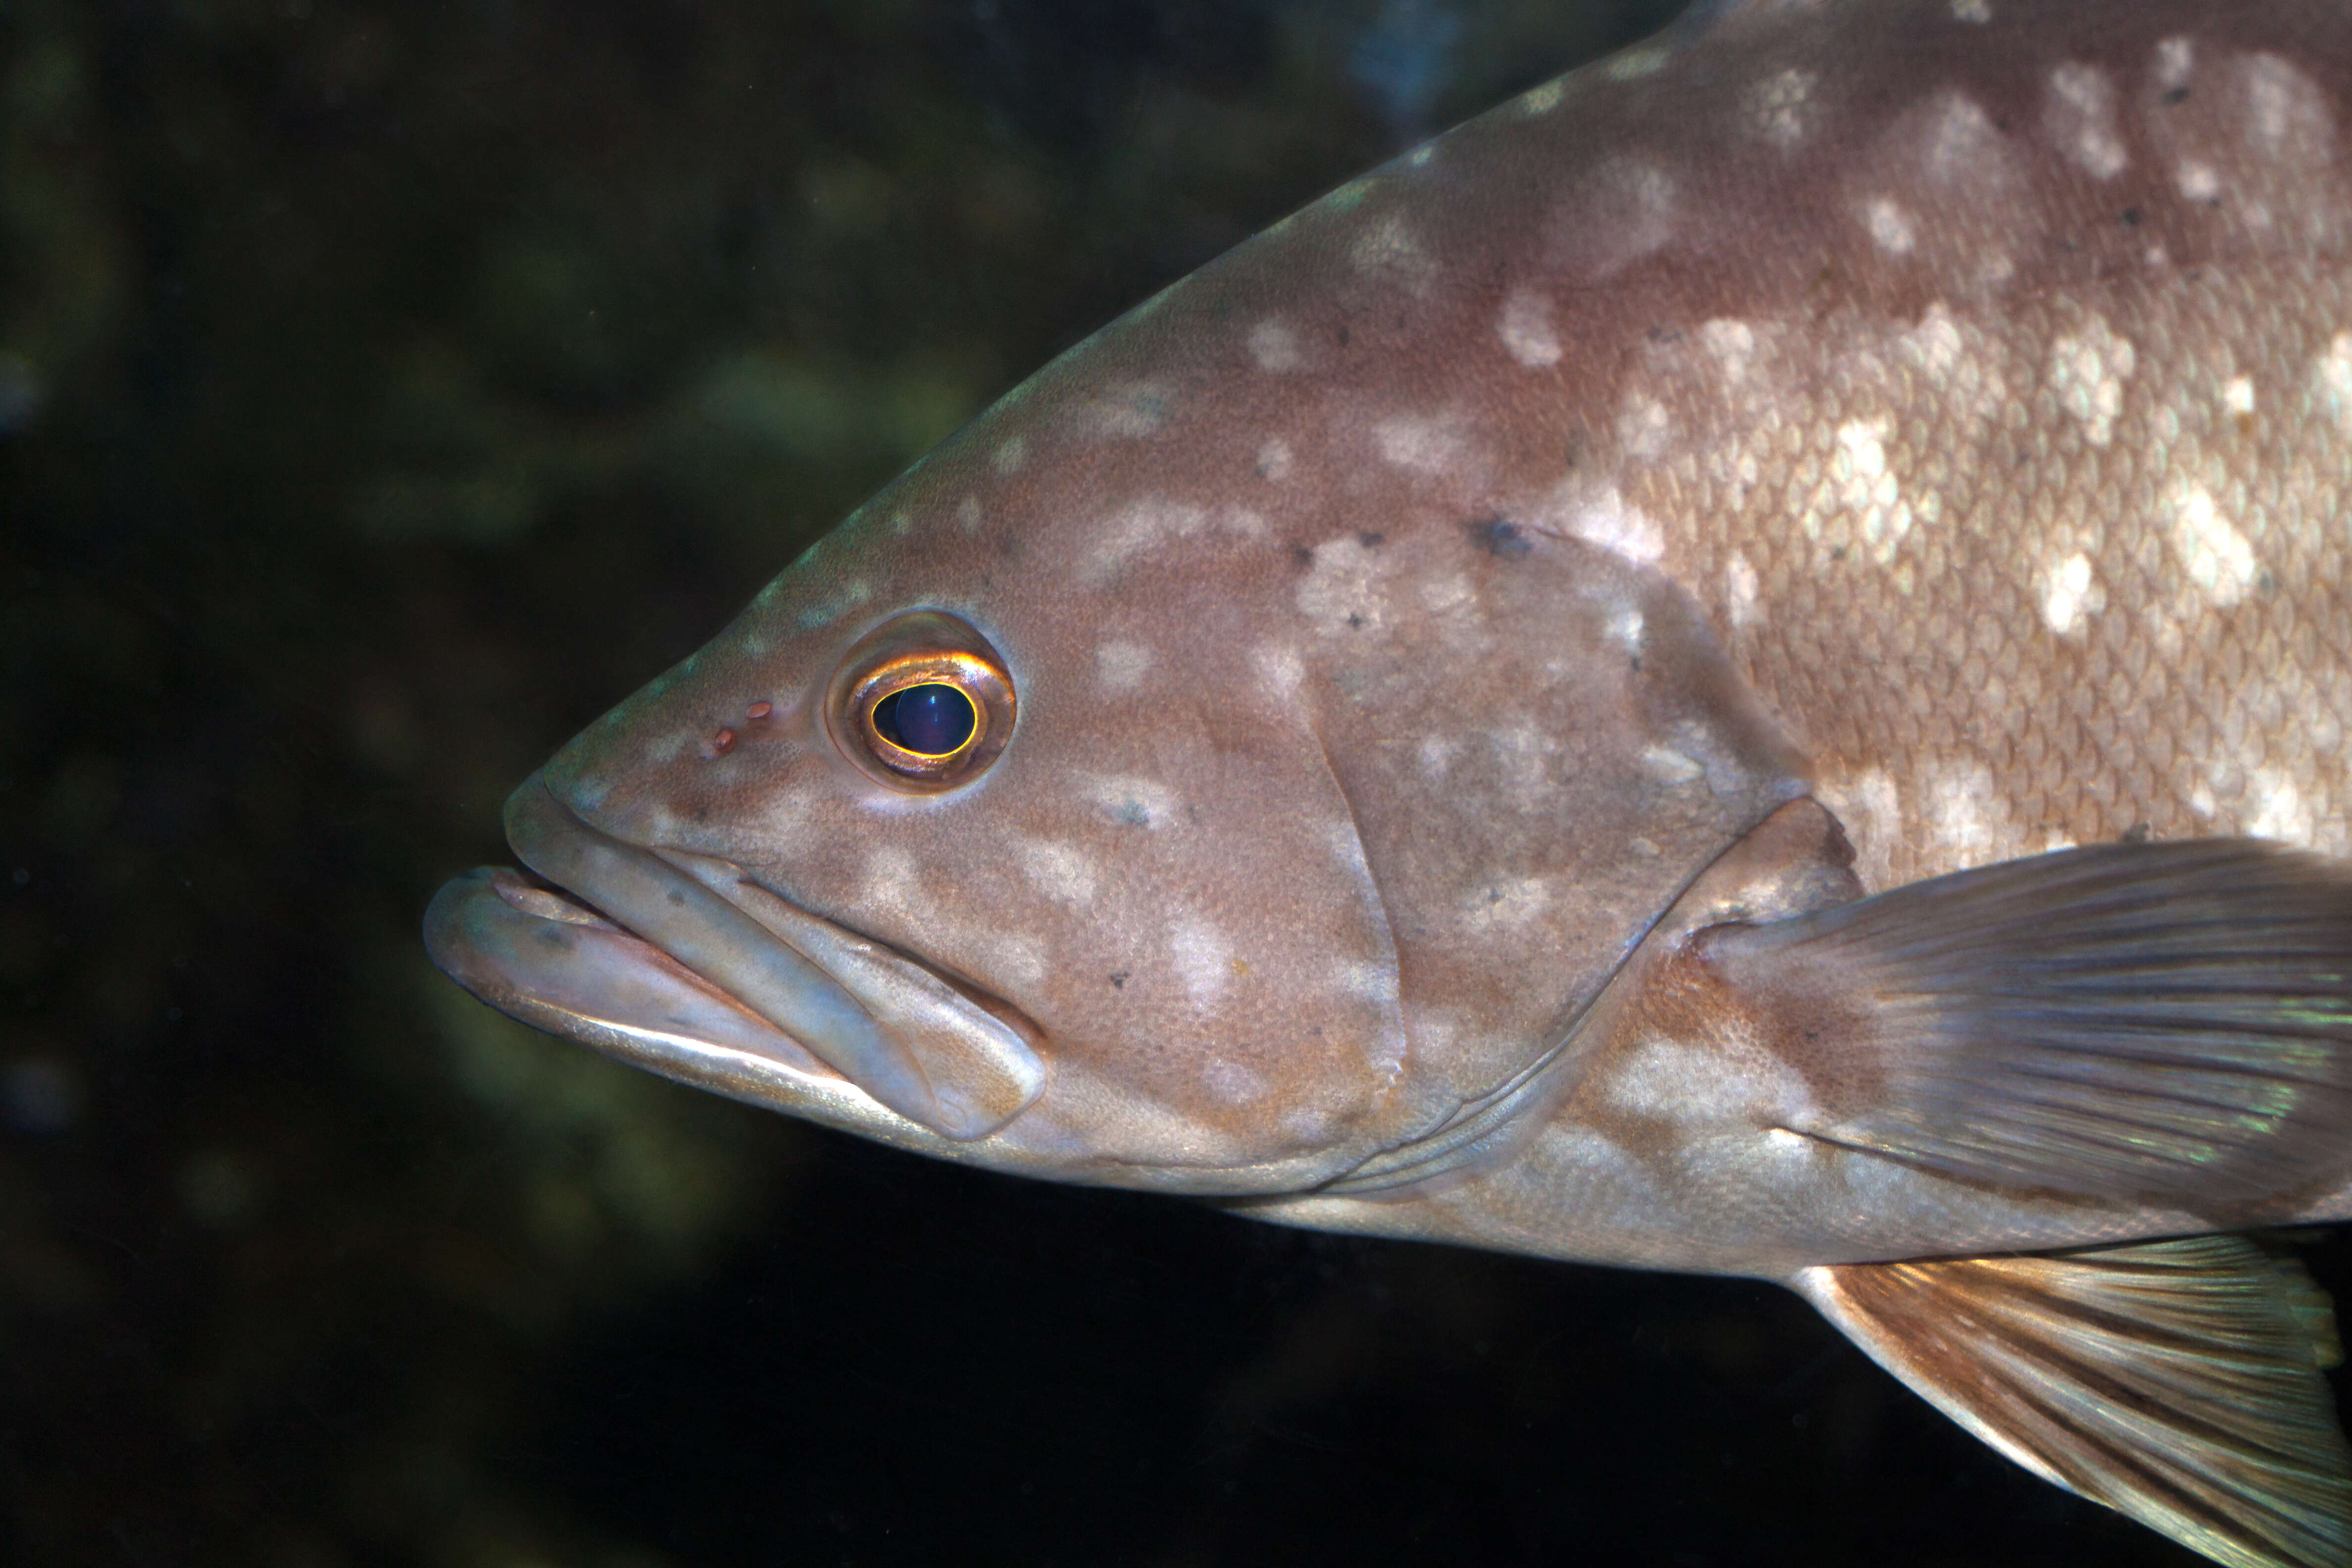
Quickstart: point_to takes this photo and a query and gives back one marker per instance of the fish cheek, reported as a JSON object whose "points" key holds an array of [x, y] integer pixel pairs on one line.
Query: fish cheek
{"points": [[1223, 997]]}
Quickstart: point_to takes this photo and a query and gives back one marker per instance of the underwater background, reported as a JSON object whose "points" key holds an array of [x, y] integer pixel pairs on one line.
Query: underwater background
{"points": [[386, 388]]}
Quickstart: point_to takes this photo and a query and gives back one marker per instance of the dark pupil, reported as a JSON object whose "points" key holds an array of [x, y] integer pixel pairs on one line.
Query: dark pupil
{"points": [[931, 721]]}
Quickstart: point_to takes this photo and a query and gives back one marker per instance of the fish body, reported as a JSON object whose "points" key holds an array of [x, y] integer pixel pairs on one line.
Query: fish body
{"points": [[1738, 666]]}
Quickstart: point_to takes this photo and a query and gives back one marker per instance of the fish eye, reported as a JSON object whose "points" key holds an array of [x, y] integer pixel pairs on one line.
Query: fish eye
{"points": [[933, 720], [921, 703]]}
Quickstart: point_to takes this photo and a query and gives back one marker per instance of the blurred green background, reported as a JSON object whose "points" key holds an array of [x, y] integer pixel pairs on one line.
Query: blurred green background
{"points": [[385, 390]]}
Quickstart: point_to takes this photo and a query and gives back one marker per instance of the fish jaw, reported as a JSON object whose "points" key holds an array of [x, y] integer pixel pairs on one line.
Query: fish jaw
{"points": [[962, 1071], [539, 957], [684, 981]]}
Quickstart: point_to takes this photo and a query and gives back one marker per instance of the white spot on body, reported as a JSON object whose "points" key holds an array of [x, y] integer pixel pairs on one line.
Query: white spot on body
{"points": [[2079, 115], [2215, 555], [1436, 754], [1961, 805], [1010, 456], [2198, 181], [2069, 593], [1447, 596], [1241, 522], [1670, 767], [1423, 446], [1978, 12], [1602, 517], [1342, 590], [1866, 487], [1203, 958], [1126, 413], [1637, 63], [1120, 666], [1740, 589], [1279, 669], [2289, 118], [2238, 394], [1056, 870], [1780, 106], [1509, 904], [2175, 58], [1678, 1083], [2280, 810], [1624, 210], [1232, 1081], [1273, 347], [1273, 459], [1962, 142], [892, 883], [1014, 960], [1731, 342], [836, 605], [1540, 101], [2088, 371], [1389, 252], [1890, 226], [1523, 757], [1646, 429], [1140, 526], [968, 514], [1526, 329], [2331, 375]]}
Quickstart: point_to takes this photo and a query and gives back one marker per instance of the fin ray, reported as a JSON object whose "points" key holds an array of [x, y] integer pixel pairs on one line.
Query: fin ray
{"points": [[2175, 1381], [2146, 1022]]}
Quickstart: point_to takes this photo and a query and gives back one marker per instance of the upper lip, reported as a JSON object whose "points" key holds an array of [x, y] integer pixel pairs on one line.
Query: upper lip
{"points": [[919, 1044]]}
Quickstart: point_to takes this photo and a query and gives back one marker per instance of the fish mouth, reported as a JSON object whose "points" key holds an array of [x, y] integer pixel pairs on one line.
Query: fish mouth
{"points": [[685, 965]]}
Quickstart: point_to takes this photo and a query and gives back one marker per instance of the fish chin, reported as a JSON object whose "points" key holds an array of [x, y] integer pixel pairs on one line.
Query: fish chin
{"points": [[683, 964]]}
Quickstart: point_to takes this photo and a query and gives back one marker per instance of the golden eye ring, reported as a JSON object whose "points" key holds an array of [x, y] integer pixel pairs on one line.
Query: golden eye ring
{"points": [[921, 704]]}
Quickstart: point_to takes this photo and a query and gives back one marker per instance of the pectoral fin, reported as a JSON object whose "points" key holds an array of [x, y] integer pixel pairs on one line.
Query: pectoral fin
{"points": [[2165, 1022], [2176, 1382]]}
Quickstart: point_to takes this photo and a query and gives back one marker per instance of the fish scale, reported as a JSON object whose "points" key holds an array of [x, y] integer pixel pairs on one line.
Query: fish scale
{"points": [[2116, 723], [1740, 665]]}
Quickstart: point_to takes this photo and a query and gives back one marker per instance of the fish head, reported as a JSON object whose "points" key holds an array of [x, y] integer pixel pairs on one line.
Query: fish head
{"points": [[1140, 790], [1111, 918]]}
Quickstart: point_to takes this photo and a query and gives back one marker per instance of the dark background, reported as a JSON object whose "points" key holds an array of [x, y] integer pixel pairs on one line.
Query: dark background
{"points": [[386, 389]]}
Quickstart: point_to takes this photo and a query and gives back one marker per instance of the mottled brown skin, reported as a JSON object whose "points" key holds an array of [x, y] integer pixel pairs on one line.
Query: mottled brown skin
{"points": [[1943, 416], [1950, 713], [1936, 410]]}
